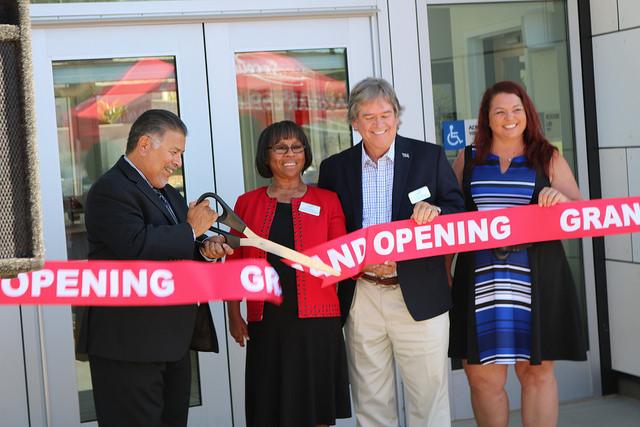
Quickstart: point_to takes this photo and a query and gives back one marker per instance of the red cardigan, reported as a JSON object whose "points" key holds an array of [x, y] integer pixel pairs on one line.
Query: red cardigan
{"points": [[257, 209]]}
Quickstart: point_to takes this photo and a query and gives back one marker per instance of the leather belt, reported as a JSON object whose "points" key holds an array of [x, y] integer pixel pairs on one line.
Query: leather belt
{"points": [[385, 281]]}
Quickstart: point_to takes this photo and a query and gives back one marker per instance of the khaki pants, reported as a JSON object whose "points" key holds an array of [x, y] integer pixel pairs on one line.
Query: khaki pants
{"points": [[378, 331]]}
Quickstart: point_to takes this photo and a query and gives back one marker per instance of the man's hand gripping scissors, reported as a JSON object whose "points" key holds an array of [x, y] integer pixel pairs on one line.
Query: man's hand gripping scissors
{"points": [[229, 218]]}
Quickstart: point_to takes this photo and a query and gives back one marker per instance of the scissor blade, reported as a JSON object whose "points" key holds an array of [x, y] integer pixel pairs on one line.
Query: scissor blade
{"points": [[290, 254]]}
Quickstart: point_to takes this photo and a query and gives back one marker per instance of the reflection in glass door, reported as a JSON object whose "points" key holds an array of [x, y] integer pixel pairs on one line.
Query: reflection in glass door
{"points": [[308, 87], [263, 74], [480, 44], [100, 84], [96, 102], [472, 46]]}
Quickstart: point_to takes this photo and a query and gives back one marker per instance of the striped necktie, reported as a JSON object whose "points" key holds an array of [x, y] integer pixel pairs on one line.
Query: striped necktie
{"points": [[166, 204]]}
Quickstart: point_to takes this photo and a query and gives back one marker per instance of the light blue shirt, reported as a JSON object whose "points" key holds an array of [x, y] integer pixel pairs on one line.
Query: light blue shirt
{"points": [[377, 187]]}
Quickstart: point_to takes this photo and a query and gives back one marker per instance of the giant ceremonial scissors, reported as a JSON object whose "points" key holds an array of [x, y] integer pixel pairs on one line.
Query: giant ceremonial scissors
{"points": [[229, 218]]}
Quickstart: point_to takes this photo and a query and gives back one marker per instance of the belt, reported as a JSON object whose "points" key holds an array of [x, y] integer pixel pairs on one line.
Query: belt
{"points": [[504, 252], [385, 281]]}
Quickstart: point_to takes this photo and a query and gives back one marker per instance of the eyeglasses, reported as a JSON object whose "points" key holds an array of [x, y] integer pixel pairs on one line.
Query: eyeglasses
{"points": [[284, 148]]}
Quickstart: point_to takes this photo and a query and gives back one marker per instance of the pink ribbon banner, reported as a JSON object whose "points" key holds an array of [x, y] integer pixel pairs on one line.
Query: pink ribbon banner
{"points": [[403, 240], [120, 283]]}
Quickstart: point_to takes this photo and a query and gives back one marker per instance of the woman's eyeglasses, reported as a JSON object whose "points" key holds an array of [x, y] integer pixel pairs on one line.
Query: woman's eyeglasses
{"points": [[284, 148]]}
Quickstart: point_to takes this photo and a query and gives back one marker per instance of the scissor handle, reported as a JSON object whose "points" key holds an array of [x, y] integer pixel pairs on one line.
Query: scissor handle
{"points": [[230, 239], [228, 216]]}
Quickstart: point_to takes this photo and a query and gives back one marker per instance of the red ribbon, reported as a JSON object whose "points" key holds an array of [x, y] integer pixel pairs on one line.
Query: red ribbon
{"points": [[186, 282], [469, 231], [118, 283]]}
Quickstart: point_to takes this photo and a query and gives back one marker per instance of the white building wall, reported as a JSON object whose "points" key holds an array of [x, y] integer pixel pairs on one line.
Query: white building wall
{"points": [[615, 26]]}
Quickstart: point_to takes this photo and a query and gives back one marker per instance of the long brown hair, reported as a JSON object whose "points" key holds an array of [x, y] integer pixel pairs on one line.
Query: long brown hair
{"points": [[537, 148]]}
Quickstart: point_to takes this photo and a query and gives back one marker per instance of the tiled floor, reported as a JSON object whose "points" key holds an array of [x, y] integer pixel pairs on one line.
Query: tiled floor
{"points": [[609, 411]]}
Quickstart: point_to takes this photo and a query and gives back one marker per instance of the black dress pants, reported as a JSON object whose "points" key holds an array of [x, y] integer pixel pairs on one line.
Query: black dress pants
{"points": [[141, 394]]}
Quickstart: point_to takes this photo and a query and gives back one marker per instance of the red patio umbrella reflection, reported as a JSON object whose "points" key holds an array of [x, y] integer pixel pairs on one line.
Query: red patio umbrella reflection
{"points": [[269, 80], [143, 77]]}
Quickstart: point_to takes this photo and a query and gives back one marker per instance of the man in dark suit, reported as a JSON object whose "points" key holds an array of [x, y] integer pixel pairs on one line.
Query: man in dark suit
{"points": [[139, 356], [394, 311]]}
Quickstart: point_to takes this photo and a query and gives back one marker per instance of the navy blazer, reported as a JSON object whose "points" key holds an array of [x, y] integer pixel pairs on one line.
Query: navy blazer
{"points": [[126, 220], [423, 281]]}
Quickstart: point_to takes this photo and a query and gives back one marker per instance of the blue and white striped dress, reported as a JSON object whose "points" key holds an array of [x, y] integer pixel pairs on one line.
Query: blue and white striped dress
{"points": [[502, 287]]}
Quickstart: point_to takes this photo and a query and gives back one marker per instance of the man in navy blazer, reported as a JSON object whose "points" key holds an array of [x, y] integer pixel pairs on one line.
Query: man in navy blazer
{"points": [[139, 356], [394, 311]]}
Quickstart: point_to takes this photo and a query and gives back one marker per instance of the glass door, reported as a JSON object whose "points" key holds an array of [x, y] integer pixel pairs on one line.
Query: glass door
{"points": [[92, 84], [469, 47], [265, 71]]}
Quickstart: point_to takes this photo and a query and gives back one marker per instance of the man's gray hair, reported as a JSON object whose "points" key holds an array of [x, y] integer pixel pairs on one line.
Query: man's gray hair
{"points": [[369, 89], [154, 122]]}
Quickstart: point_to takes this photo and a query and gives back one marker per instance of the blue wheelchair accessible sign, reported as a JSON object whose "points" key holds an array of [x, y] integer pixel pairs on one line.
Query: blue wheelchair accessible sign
{"points": [[456, 134]]}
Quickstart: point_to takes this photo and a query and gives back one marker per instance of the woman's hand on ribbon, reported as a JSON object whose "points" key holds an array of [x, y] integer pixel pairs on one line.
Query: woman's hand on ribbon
{"points": [[550, 196]]}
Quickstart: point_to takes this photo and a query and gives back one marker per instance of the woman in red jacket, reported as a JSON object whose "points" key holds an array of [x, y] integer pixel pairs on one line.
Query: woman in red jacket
{"points": [[296, 368]]}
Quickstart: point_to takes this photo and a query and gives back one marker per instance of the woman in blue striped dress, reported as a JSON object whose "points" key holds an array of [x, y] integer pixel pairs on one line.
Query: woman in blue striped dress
{"points": [[515, 305]]}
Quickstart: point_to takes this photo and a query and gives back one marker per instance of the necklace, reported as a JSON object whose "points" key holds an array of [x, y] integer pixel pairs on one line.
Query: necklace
{"points": [[511, 156], [507, 151]]}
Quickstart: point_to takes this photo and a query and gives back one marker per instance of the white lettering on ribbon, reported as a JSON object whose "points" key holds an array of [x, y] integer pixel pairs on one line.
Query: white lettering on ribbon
{"points": [[272, 281], [161, 283], [342, 256], [91, 283], [440, 234], [251, 278], [478, 231], [611, 217], [403, 236], [254, 280], [377, 242], [500, 228], [41, 279], [359, 246], [114, 283], [423, 237], [591, 217], [20, 290], [133, 282], [629, 214], [66, 283], [570, 220]]}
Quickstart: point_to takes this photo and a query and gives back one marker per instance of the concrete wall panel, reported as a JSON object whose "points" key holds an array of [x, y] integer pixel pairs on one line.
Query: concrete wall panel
{"points": [[629, 12], [633, 164], [613, 167], [623, 282], [616, 69], [604, 16], [613, 164]]}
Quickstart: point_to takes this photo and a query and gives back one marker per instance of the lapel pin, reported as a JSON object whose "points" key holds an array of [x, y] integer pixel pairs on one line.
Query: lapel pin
{"points": [[405, 155]]}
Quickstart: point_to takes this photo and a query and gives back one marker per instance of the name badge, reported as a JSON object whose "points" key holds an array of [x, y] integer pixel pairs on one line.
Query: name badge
{"points": [[421, 193], [310, 209]]}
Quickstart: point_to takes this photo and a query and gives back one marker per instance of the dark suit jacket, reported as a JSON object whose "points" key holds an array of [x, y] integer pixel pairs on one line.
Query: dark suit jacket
{"points": [[126, 220], [416, 164]]}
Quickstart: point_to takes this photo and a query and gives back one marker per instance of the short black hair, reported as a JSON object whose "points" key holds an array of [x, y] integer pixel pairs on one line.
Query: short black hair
{"points": [[275, 133], [154, 122]]}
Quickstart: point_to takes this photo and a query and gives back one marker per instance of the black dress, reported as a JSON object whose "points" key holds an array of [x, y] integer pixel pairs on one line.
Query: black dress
{"points": [[296, 371], [558, 331]]}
